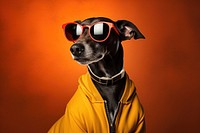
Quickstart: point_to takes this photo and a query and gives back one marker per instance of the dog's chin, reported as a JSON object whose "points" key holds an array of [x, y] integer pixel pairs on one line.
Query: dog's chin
{"points": [[87, 61]]}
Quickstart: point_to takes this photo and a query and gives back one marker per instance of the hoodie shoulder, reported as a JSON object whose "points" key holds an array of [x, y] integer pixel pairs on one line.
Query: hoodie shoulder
{"points": [[77, 101]]}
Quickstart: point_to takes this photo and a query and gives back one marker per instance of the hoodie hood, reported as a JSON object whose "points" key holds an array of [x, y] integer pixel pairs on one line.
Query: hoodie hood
{"points": [[89, 89]]}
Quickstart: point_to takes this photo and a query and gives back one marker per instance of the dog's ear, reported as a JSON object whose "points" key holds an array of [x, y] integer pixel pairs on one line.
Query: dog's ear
{"points": [[128, 30]]}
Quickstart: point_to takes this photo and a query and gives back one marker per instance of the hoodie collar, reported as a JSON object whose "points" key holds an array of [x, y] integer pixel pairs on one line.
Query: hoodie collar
{"points": [[89, 89]]}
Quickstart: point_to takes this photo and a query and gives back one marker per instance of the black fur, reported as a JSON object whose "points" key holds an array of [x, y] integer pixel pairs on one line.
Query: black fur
{"points": [[112, 62]]}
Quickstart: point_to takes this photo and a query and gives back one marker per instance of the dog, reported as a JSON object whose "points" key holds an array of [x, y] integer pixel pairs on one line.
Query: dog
{"points": [[106, 99]]}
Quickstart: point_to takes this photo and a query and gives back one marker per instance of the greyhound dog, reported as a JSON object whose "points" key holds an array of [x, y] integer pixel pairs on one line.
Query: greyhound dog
{"points": [[106, 99]]}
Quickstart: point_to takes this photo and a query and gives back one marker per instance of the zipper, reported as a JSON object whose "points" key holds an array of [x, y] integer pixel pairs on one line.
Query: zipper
{"points": [[111, 123]]}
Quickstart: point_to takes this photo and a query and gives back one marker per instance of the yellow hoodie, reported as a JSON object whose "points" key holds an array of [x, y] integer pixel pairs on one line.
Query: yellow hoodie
{"points": [[86, 113]]}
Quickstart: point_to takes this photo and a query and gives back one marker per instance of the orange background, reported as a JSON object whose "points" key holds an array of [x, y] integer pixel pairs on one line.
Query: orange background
{"points": [[38, 75]]}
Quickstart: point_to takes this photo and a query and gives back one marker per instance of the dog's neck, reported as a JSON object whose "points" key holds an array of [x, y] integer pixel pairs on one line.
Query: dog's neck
{"points": [[110, 65]]}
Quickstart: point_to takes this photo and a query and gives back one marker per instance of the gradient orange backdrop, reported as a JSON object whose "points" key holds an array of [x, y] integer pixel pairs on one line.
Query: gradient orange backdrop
{"points": [[38, 75]]}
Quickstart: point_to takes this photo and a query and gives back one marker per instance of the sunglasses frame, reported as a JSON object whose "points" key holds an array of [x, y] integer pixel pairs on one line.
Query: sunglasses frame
{"points": [[110, 24]]}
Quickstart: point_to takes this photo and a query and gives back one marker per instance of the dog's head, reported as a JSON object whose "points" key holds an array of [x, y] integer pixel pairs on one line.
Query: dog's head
{"points": [[95, 37]]}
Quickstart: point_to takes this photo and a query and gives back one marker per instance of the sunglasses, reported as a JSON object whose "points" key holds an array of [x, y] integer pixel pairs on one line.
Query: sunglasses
{"points": [[99, 31]]}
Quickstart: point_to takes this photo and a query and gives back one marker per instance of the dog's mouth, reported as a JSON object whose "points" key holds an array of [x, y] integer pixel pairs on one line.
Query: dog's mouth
{"points": [[86, 61]]}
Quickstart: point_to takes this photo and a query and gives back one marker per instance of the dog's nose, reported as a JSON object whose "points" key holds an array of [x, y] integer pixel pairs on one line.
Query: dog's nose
{"points": [[77, 49]]}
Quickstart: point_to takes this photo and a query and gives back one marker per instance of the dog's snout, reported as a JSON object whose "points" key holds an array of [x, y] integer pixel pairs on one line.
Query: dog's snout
{"points": [[77, 49]]}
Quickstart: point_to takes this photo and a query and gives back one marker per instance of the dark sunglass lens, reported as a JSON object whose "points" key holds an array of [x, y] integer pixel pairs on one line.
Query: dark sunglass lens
{"points": [[99, 31], [73, 31]]}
